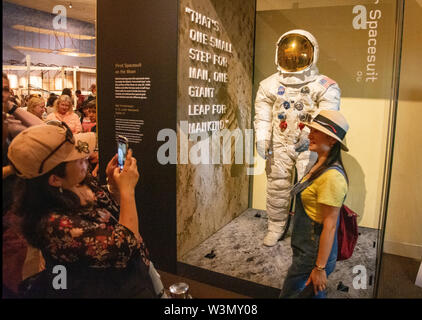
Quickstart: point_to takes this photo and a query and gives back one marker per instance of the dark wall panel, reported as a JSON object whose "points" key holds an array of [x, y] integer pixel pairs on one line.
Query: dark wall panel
{"points": [[142, 32]]}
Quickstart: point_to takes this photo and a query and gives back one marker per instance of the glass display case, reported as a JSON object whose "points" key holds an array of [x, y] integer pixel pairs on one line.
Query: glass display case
{"points": [[359, 48]]}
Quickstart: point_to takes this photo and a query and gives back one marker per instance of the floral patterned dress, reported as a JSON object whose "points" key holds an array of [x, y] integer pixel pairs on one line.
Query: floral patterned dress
{"points": [[101, 255], [92, 237]]}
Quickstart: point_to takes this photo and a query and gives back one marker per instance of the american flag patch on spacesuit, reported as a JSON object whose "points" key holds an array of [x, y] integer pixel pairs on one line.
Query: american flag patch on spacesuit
{"points": [[326, 82]]}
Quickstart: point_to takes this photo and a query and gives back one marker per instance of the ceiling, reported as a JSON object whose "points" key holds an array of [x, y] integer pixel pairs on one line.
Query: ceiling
{"points": [[85, 9], [81, 9], [264, 5]]}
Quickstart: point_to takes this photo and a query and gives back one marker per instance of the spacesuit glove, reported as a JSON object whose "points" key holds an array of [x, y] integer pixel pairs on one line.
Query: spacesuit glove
{"points": [[262, 147], [302, 144]]}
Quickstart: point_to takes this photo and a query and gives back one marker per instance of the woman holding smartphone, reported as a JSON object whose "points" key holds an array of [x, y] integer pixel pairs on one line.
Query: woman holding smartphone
{"points": [[75, 222], [319, 196]]}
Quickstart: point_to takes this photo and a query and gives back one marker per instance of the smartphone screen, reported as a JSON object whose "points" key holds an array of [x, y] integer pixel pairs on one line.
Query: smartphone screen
{"points": [[122, 147]]}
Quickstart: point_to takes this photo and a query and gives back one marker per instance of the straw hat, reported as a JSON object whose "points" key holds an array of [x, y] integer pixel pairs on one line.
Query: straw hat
{"points": [[38, 149], [332, 123]]}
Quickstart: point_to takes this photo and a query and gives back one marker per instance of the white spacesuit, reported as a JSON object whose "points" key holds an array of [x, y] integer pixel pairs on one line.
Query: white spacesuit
{"points": [[284, 100]]}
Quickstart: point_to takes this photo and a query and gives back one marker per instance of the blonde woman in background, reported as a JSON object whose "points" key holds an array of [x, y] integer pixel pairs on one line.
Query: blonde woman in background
{"points": [[36, 105], [63, 111]]}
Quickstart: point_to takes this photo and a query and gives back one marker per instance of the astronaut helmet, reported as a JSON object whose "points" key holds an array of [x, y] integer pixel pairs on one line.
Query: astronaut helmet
{"points": [[296, 52]]}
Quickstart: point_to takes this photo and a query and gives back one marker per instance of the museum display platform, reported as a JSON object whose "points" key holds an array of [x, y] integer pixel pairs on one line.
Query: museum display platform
{"points": [[236, 250]]}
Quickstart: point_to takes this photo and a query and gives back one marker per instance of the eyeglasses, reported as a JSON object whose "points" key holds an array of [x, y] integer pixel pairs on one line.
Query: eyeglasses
{"points": [[69, 138]]}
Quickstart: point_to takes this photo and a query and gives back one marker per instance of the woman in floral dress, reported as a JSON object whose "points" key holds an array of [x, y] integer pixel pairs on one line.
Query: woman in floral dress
{"points": [[88, 234]]}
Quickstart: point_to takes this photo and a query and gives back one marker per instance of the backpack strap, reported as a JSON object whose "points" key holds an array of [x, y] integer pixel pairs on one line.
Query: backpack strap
{"points": [[340, 169]]}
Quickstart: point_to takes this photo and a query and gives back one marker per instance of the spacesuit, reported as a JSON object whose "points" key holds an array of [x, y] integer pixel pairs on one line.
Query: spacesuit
{"points": [[284, 101]]}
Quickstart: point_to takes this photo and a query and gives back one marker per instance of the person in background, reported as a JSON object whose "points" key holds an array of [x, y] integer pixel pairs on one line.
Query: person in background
{"points": [[14, 249], [63, 111], [80, 100], [15, 99], [92, 113], [319, 197], [36, 106], [91, 230], [17, 119], [90, 119], [50, 103], [85, 119], [68, 92], [27, 98], [93, 94]]}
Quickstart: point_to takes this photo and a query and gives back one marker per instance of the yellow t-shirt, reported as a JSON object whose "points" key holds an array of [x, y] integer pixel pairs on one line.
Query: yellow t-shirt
{"points": [[329, 189]]}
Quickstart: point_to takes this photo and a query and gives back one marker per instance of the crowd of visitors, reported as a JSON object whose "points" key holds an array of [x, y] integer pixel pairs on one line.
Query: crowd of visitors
{"points": [[80, 118]]}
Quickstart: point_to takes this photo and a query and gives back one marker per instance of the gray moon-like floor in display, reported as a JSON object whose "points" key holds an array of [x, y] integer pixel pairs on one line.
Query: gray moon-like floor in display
{"points": [[239, 253]]}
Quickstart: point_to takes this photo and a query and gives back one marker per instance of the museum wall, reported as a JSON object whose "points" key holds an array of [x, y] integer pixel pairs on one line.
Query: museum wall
{"points": [[365, 99], [211, 195], [403, 234], [136, 98]]}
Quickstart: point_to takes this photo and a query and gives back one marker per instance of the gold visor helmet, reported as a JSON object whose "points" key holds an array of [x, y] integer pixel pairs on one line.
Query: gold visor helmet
{"points": [[295, 52]]}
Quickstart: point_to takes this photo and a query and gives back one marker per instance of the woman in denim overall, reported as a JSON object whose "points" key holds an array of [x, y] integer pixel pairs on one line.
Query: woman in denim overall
{"points": [[315, 251]]}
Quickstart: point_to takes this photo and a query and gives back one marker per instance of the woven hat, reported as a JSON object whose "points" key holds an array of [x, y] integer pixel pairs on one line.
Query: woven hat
{"points": [[332, 123], [38, 149]]}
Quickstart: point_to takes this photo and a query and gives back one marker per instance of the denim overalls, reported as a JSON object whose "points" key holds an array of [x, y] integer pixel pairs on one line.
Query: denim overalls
{"points": [[305, 243]]}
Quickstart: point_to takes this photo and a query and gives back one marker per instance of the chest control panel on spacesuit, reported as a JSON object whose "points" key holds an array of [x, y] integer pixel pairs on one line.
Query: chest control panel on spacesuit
{"points": [[292, 107]]}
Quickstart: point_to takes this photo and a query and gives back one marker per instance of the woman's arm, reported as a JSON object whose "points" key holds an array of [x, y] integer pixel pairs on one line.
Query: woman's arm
{"points": [[27, 118], [14, 127], [128, 212], [330, 215], [318, 276], [111, 184], [126, 181]]}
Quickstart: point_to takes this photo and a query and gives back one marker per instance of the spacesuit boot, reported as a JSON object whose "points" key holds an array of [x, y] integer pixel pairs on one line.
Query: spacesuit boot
{"points": [[273, 233], [284, 102]]}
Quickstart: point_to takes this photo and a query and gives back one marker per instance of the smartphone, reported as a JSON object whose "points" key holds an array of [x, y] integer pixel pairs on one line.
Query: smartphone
{"points": [[122, 148]]}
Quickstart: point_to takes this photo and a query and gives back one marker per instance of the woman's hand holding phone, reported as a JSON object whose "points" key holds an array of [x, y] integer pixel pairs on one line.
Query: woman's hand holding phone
{"points": [[112, 164], [126, 179]]}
